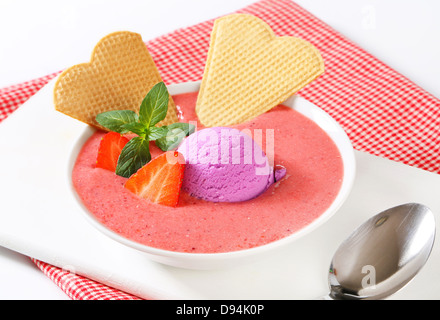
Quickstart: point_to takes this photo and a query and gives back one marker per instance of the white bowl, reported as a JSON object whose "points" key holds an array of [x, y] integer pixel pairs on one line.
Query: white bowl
{"points": [[226, 259]]}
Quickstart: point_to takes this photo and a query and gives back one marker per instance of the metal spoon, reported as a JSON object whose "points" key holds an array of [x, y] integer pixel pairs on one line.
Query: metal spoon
{"points": [[383, 254]]}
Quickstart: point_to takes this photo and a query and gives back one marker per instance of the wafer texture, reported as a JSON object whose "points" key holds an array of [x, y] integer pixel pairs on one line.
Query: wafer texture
{"points": [[119, 75], [249, 70]]}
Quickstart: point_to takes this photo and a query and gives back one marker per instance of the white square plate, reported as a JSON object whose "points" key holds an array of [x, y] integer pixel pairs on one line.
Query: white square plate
{"points": [[40, 217]]}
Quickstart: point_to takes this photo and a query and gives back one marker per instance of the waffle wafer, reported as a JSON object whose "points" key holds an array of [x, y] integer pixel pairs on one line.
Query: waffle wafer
{"points": [[119, 75], [249, 70]]}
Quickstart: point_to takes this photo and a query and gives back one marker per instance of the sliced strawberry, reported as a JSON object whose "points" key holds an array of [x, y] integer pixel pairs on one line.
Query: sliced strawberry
{"points": [[109, 150], [160, 180]]}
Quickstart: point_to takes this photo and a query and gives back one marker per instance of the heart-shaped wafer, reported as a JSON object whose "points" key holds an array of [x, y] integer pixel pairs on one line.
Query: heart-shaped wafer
{"points": [[119, 75], [249, 70]]}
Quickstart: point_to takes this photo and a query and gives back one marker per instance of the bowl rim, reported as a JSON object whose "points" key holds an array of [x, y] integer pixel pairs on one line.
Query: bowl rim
{"points": [[303, 106]]}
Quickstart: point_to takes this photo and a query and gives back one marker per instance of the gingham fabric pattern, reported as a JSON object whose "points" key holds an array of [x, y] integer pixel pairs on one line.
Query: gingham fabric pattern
{"points": [[80, 288], [383, 112]]}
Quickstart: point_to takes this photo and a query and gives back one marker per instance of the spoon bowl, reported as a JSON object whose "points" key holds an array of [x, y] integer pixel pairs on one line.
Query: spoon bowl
{"points": [[383, 254]]}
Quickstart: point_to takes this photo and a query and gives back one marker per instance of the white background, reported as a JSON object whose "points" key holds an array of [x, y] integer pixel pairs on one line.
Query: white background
{"points": [[41, 37]]}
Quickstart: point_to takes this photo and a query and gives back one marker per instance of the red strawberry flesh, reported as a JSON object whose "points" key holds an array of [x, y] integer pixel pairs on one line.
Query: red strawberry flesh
{"points": [[109, 150], [160, 180]]}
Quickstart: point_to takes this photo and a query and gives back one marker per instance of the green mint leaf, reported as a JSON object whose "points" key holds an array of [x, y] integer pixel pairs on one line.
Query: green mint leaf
{"points": [[135, 127], [175, 134], [116, 119], [154, 107], [155, 133], [134, 156]]}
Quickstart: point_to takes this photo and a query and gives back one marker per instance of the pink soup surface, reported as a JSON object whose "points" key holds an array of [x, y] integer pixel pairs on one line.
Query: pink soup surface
{"points": [[314, 177]]}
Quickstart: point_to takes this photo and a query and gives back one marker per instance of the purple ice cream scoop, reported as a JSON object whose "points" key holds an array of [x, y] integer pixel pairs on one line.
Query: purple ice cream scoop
{"points": [[225, 165]]}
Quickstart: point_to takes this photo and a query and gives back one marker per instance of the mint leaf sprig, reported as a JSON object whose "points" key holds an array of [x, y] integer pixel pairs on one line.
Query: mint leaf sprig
{"points": [[153, 109]]}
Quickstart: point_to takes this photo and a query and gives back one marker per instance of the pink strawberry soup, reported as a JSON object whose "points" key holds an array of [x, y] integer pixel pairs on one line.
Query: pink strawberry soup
{"points": [[314, 177]]}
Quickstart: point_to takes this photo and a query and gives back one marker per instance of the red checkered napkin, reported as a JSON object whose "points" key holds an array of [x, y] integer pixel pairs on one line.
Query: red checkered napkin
{"points": [[382, 112]]}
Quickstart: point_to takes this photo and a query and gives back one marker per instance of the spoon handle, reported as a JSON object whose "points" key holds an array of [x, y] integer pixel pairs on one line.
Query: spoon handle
{"points": [[326, 297]]}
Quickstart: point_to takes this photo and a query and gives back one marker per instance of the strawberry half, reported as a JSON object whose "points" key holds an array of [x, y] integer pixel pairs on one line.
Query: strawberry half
{"points": [[160, 180], [109, 150]]}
